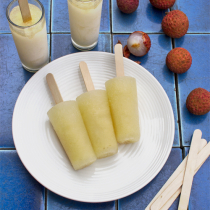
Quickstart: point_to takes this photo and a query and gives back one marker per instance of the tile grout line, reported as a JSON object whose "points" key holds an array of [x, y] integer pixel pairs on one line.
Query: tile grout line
{"points": [[116, 204], [9, 148], [45, 198], [110, 15], [50, 32], [50, 29], [110, 10], [119, 33], [177, 102], [111, 33]]}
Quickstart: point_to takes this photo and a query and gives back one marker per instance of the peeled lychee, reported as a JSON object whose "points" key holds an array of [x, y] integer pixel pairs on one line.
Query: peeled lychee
{"points": [[178, 60], [175, 24], [198, 101], [138, 43], [162, 4], [127, 6]]}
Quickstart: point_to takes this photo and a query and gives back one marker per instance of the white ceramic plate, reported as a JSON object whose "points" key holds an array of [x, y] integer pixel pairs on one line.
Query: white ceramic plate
{"points": [[107, 179]]}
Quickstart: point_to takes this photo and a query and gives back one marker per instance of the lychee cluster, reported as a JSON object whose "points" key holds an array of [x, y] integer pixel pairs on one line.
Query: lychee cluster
{"points": [[175, 25]]}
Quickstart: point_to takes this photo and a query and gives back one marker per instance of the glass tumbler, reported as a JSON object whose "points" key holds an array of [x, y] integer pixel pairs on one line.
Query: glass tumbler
{"points": [[84, 17], [30, 37]]}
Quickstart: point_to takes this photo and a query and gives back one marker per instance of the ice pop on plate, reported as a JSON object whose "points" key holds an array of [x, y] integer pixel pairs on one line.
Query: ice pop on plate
{"points": [[122, 95], [68, 124], [95, 111]]}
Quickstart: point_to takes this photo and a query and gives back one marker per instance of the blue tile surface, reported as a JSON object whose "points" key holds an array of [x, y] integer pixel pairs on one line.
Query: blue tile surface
{"points": [[18, 189], [13, 78], [4, 26], [200, 192], [140, 199], [197, 76], [146, 18], [61, 45], [56, 202], [154, 62], [198, 13], [60, 16]]}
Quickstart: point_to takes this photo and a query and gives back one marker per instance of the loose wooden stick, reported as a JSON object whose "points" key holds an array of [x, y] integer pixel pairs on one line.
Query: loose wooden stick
{"points": [[202, 156], [86, 76], [54, 88], [25, 11], [174, 186], [189, 172], [179, 170], [119, 60], [166, 195], [171, 200]]}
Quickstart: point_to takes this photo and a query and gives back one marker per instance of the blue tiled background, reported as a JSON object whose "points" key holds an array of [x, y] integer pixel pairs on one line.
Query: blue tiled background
{"points": [[19, 190]]}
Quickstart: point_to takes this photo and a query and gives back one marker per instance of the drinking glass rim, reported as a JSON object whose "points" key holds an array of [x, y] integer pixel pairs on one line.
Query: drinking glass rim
{"points": [[23, 27]]}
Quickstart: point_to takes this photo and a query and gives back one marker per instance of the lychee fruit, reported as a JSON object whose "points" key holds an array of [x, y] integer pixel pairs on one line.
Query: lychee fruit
{"points": [[127, 6], [178, 60], [162, 4], [175, 24], [198, 101], [139, 43], [126, 52]]}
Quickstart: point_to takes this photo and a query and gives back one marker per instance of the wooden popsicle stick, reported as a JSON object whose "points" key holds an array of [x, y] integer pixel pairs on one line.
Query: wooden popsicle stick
{"points": [[86, 76], [171, 200], [202, 157], [180, 169], [54, 88], [119, 60], [189, 172], [177, 182], [166, 195], [25, 11]]}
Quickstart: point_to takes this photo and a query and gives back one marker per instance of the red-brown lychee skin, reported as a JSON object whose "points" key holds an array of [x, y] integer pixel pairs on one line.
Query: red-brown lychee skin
{"points": [[175, 24], [178, 60], [198, 101], [162, 4], [127, 6], [147, 41]]}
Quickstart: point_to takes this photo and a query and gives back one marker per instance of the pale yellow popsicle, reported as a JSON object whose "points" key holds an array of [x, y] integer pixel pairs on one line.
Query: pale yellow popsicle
{"points": [[70, 129], [95, 111], [122, 95]]}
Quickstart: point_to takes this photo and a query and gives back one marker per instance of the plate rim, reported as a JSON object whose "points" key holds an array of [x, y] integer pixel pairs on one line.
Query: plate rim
{"points": [[116, 197]]}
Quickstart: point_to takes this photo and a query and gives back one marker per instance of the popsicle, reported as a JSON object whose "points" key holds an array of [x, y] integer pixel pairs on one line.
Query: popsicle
{"points": [[68, 124], [122, 96], [95, 111]]}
